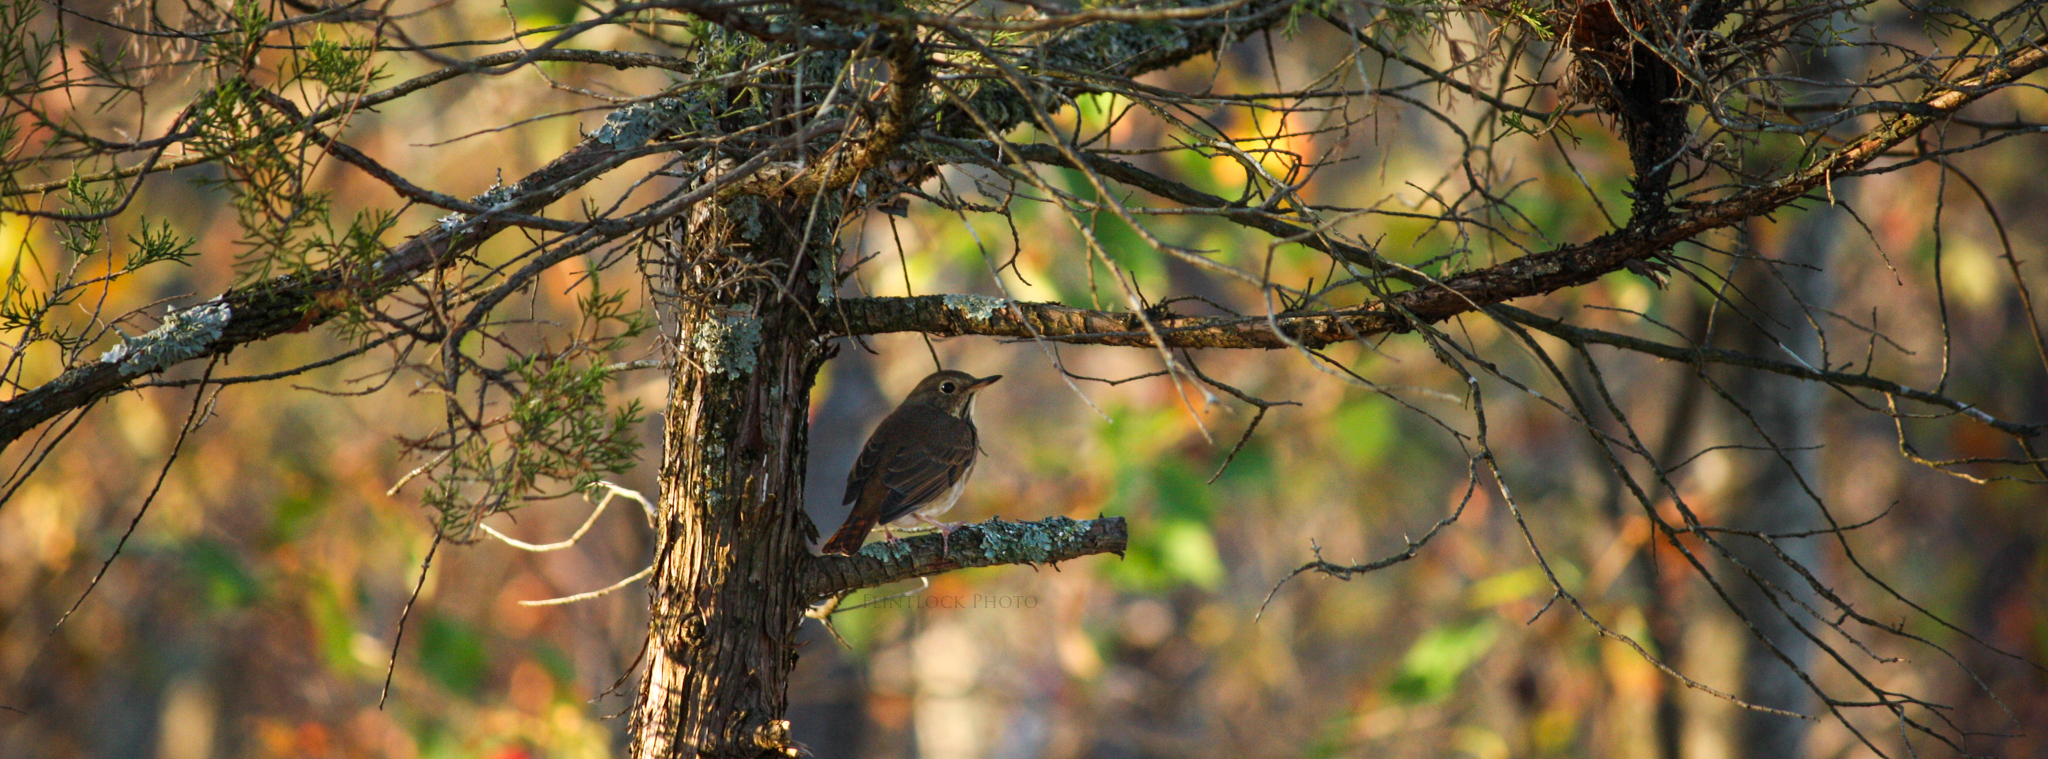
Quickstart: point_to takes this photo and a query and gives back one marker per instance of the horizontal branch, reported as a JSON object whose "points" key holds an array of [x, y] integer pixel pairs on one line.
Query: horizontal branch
{"points": [[953, 315], [1047, 541]]}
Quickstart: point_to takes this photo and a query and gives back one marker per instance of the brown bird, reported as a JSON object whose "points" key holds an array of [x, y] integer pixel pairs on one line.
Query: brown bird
{"points": [[916, 463]]}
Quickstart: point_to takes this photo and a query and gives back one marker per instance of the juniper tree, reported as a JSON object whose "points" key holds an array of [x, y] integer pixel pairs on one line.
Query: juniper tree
{"points": [[735, 180]]}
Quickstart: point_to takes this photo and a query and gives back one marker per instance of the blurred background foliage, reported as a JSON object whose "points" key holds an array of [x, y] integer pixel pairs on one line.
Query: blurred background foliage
{"points": [[254, 611]]}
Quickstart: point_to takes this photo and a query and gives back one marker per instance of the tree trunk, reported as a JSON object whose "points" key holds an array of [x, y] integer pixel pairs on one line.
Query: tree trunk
{"points": [[725, 607], [1793, 297], [1775, 499]]}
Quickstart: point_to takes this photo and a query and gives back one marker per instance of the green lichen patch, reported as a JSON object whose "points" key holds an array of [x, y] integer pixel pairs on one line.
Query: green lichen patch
{"points": [[632, 126], [492, 197], [1030, 542], [888, 550], [183, 334], [729, 344]]}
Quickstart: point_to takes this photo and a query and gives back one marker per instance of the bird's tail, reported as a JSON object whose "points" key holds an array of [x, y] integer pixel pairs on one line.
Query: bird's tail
{"points": [[846, 542]]}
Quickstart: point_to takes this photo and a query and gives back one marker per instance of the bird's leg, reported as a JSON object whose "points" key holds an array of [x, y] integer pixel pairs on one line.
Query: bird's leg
{"points": [[945, 532]]}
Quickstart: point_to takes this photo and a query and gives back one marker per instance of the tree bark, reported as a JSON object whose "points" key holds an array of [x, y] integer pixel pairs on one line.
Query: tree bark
{"points": [[724, 600]]}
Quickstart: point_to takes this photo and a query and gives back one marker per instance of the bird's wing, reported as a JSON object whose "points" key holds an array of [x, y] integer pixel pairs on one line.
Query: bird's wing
{"points": [[924, 471], [866, 511], [864, 467]]}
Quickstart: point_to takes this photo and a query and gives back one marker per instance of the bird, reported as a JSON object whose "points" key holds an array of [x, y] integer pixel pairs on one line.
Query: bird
{"points": [[916, 462]]}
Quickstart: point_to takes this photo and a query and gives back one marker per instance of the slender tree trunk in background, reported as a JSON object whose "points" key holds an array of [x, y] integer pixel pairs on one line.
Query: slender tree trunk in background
{"points": [[1772, 498], [725, 609], [1793, 295]]}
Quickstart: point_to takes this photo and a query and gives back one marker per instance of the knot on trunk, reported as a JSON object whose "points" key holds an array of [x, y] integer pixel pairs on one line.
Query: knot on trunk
{"points": [[773, 738]]}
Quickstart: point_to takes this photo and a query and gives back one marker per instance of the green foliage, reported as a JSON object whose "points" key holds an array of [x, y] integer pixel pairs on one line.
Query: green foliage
{"points": [[21, 305], [355, 249], [108, 62], [38, 291], [225, 582], [158, 243], [1367, 424], [280, 220], [293, 515], [1167, 498], [1186, 550], [83, 238], [453, 655], [1528, 15], [557, 434], [1515, 584], [249, 19], [1430, 670], [544, 12], [1172, 544], [525, 421], [343, 68], [333, 625]]}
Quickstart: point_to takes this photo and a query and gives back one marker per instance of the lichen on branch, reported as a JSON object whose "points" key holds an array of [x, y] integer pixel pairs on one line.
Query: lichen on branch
{"points": [[1047, 541]]}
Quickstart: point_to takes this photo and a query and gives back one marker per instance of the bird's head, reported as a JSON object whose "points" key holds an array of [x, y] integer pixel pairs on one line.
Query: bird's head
{"points": [[950, 391]]}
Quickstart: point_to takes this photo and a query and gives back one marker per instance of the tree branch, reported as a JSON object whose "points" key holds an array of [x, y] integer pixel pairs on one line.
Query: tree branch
{"points": [[1430, 301], [292, 303], [1047, 541], [1704, 355], [952, 315]]}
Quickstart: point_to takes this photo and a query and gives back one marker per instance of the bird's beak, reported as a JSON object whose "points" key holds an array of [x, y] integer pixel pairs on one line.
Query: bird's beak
{"points": [[984, 382]]}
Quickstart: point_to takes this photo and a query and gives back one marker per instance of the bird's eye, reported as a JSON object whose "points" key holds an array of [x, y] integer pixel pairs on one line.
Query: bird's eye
{"points": [[946, 387]]}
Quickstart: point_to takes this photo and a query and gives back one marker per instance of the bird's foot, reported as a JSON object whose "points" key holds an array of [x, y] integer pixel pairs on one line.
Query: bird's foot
{"points": [[945, 532]]}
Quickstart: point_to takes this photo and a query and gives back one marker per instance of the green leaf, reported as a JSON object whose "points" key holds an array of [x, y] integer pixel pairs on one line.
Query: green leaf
{"points": [[333, 626], [292, 514], [158, 243], [1511, 585], [1363, 428], [225, 581], [453, 655], [544, 12], [1188, 550], [1431, 668], [1182, 493]]}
